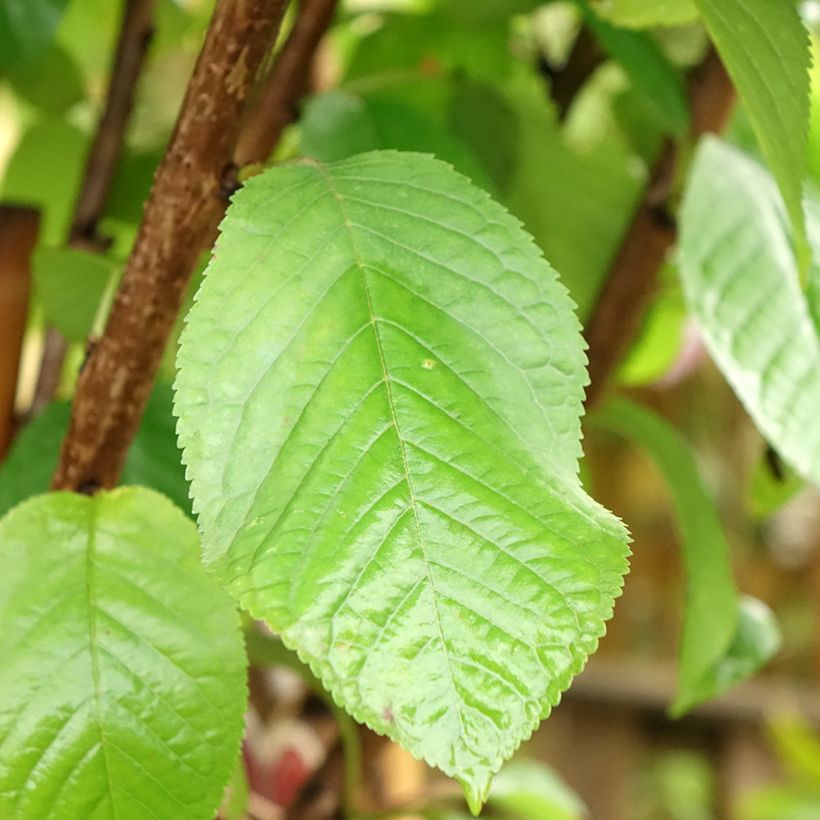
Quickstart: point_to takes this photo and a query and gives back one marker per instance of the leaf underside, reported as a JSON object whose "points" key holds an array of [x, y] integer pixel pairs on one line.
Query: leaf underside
{"points": [[378, 396], [740, 278], [122, 685]]}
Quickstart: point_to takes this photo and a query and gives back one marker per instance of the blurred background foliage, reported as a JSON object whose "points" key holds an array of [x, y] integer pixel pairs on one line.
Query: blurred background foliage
{"points": [[481, 85]]}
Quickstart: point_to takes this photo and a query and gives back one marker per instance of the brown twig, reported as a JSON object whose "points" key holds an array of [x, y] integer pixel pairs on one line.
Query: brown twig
{"points": [[633, 275], [276, 105], [565, 83], [18, 236], [101, 164], [188, 198]]}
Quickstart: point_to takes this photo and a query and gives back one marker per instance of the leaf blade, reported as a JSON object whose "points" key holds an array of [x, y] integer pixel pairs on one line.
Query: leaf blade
{"points": [[133, 707], [386, 399]]}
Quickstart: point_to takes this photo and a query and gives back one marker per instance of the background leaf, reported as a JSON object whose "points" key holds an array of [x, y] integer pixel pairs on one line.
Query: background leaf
{"points": [[123, 676], [647, 13], [70, 285], [725, 639], [740, 279], [26, 29], [153, 460], [765, 49], [378, 398]]}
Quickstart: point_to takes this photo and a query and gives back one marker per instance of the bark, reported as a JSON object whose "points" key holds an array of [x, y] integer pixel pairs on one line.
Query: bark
{"points": [[101, 164], [276, 105], [633, 275], [188, 198], [18, 236]]}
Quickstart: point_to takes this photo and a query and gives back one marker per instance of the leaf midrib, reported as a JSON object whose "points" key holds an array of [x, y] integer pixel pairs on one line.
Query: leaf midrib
{"points": [[357, 258]]}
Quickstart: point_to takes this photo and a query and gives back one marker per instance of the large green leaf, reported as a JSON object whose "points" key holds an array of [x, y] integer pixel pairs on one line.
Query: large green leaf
{"points": [[765, 48], [725, 638], [122, 683], [379, 396], [153, 460], [26, 29], [740, 280]]}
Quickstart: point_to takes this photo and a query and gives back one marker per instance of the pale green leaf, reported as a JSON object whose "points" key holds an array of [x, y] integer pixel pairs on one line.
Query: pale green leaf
{"points": [[379, 396], [122, 687], [70, 285], [26, 29], [740, 280], [153, 459], [647, 13], [725, 639], [765, 49], [529, 790]]}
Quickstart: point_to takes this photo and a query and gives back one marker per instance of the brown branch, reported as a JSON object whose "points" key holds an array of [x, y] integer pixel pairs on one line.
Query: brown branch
{"points": [[633, 275], [18, 236], [101, 165], [186, 203], [287, 82]]}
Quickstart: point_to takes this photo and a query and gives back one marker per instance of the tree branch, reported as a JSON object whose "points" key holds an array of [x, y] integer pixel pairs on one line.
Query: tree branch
{"points": [[633, 275], [187, 200], [286, 84], [101, 164], [565, 83], [18, 236]]}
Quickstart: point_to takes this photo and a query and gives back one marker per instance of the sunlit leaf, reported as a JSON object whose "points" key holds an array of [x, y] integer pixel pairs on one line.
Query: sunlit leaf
{"points": [[122, 687], [647, 13], [765, 49], [378, 398]]}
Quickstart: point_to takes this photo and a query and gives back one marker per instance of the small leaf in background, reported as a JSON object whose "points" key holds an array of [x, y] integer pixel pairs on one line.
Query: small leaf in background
{"points": [[647, 13], [153, 460], [45, 171], [26, 29], [657, 82], [339, 124], [765, 48], [123, 674], [768, 490], [53, 83], [70, 285], [740, 280], [725, 638], [528, 790], [379, 392], [235, 800]]}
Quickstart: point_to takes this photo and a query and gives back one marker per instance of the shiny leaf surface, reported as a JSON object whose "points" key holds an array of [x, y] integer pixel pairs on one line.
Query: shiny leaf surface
{"points": [[122, 684], [379, 396]]}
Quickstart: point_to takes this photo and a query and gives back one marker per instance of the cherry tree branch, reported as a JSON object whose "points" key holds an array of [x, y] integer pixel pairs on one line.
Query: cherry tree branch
{"points": [[187, 200], [633, 276], [101, 164], [275, 107]]}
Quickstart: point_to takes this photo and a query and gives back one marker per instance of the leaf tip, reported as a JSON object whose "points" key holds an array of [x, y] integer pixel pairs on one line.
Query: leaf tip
{"points": [[476, 793]]}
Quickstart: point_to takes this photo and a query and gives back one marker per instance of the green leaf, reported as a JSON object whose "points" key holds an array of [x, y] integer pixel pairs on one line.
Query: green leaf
{"points": [[767, 491], [153, 459], [653, 77], [529, 790], [647, 13], [26, 29], [70, 285], [45, 171], [53, 83], [725, 639], [765, 49], [339, 124], [740, 280], [122, 687], [378, 398]]}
